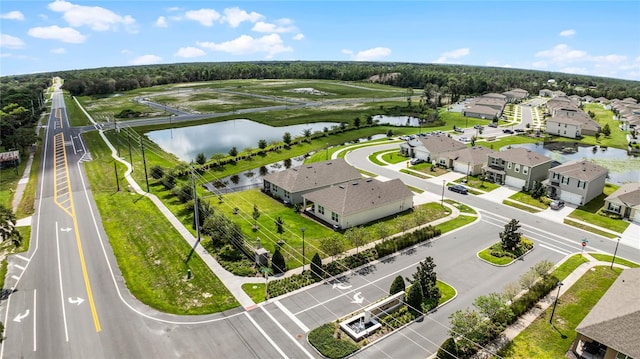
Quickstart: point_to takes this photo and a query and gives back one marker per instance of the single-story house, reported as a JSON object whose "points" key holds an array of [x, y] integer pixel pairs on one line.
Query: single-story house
{"points": [[359, 202], [625, 201], [468, 160], [481, 111], [611, 330], [576, 182], [517, 167], [291, 184], [429, 148]]}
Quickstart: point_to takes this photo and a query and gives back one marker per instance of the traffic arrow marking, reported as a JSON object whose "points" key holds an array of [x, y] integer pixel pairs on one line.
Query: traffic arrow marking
{"points": [[357, 298], [65, 229], [341, 286], [76, 301], [19, 317]]}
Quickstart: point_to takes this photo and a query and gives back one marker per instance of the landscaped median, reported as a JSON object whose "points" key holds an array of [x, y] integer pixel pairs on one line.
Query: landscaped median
{"points": [[511, 246]]}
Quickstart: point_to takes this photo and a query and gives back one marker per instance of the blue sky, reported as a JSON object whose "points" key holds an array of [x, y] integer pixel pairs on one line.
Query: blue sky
{"points": [[586, 37]]}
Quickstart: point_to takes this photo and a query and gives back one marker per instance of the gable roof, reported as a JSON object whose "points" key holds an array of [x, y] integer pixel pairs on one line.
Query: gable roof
{"points": [[522, 156], [582, 169], [490, 112], [314, 175], [615, 320], [472, 155], [360, 195], [629, 194], [440, 143]]}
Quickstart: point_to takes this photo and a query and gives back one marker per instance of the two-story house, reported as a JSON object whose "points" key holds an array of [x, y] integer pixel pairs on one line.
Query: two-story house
{"points": [[517, 167], [576, 182]]}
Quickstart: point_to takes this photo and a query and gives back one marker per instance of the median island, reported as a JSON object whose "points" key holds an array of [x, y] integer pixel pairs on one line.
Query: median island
{"points": [[511, 246]]}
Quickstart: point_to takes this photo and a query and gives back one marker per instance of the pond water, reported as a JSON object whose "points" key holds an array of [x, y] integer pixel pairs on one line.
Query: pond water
{"points": [[220, 137], [397, 120], [622, 167]]}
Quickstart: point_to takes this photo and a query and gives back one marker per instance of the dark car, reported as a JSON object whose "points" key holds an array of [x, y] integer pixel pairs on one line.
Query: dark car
{"points": [[478, 127], [519, 130], [458, 188], [557, 204], [506, 130], [492, 124]]}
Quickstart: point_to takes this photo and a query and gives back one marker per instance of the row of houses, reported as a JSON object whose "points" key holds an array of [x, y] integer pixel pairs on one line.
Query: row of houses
{"points": [[628, 111], [490, 106], [576, 182], [568, 120], [335, 193]]}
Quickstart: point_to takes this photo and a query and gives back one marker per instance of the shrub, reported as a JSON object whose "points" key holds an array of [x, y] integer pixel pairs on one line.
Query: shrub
{"points": [[324, 340], [278, 264], [156, 172], [397, 285], [448, 350], [414, 299], [316, 266], [531, 297]]}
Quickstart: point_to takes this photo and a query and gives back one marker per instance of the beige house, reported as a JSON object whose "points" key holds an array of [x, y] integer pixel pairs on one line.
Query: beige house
{"points": [[611, 330], [576, 182], [516, 167], [564, 127], [291, 184], [359, 202], [516, 95], [430, 148], [468, 160], [625, 201]]}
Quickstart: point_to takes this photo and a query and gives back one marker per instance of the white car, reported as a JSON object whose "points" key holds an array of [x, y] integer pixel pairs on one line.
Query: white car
{"points": [[464, 139]]}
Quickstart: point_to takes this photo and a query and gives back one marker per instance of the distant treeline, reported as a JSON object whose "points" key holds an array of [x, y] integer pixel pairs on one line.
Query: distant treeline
{"points": [[448, 80]]}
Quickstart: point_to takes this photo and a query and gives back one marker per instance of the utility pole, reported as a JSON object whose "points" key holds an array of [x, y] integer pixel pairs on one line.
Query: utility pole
{"points": [[195, 205], [115, 119], [115, 168], [144, 163], [130, 158]]}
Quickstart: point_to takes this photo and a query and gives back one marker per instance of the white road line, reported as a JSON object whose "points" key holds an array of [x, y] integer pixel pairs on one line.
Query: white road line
{"points": [[15, 277], [73, 145], [19, 267], [266, 336], [291, 316], [553, 249], [34, 320], [64, 314], [287, 333], [23, 258]]}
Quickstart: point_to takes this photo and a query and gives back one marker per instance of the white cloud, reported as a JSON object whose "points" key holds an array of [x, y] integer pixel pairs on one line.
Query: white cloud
{"points": [[206, 17], [497, 64], [245, 44], [375, 53], [189, 52], [10, 42], [235, 16], [280, 26], [12, 15], [146, 60], [64, 34], [162, 22], [298, 37], [126, 52], [562, 54], [58, 51], [456, 54], [567, 33], [174, 8], [96, 17]]}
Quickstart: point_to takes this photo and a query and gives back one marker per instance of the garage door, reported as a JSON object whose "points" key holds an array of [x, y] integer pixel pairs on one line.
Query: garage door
{"points": [[571, 197], [460, 167], [514, 182], [636, 218]]}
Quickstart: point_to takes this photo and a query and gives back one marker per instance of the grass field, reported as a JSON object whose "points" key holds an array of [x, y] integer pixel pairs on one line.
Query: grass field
{"points": [[608, 258], [541, 340], [456, 223], [74, 113], [526, 198], [26, 205], [568, 266], [589, 212], [475, 182], [520, 206]]}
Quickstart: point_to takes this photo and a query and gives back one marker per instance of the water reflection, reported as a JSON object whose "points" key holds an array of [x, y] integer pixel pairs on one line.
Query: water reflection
{"points": [[220, 137], [622, 167]]}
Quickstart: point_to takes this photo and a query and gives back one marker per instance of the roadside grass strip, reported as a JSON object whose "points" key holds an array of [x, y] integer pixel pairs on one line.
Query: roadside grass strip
{"points": [[618, 260], [589, 228]]}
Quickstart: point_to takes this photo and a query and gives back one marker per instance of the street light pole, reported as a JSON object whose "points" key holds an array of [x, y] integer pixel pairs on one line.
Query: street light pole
{"points": [[555, 303], [442, 199], [615, 252], [302, 229]]}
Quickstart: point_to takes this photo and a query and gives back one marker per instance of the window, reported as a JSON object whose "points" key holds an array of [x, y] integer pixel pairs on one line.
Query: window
{"points": [[334, 216], [622, 356], [525, 170], [509, 165], [320, 209], [517, 169], [287, 194], [614, 207]]}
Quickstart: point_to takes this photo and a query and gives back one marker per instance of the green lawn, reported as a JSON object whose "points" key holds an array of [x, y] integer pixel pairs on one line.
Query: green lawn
{"points": [[9, 178], [463, 208], [255, 291], [520, 206], [589, 212], [485, 254], [150, 252], [589, 228], [524, 197], [617, 139], [568, 266], [75, 114], [394, 157], [413, 173], [429, 169], [447, 292], [456, 223], [541, 340], [506, 141], [26, 205], [475, 182], [608, 258]]}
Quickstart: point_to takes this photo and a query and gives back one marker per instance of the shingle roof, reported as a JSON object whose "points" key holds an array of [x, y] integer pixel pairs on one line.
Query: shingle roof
{"points": [[582, 169], [485, 110], [314, 175], [615, 320], [629, 194], [441, 143], [472, 155], [522, 156], [363, 194]]}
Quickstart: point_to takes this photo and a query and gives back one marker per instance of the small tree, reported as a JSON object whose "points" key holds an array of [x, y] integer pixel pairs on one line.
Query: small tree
{"points": [[538, 190], [511, 237], [606, 130], [306, 133], [262, 144], [316, 266], [425, 278], [332, 245], [397, 285], [156, 172], [168, 181], [389, 133], [279, 226], [357, 236], [448, 350], [414, 299], [511, 290], [356, 122], [471, 328], [528, 279], [200, 158], [286, 138], [255, 215], [542, 268], [278, 264], [382, 230], [233, 152], [8, 230], [494, 306]]}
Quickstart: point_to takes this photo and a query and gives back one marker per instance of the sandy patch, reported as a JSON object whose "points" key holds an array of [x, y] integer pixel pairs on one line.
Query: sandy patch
{"points": [[309, 91]]}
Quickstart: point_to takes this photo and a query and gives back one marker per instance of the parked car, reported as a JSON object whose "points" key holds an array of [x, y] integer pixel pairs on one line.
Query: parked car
{"points": [[557, 204], [458, 188], [478, 127], [459, 130], [493, 124], [415, 161], [519, 130], [464, 139], [506, 130]]}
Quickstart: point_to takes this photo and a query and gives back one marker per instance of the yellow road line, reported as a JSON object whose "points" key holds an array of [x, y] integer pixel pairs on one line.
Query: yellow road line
{"points": [[59, 141]]}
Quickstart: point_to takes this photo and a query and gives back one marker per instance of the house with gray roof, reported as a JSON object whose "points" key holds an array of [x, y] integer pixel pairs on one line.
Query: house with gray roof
{"points": [[291, 184], [469, 160], [517, 167], [358, 202], [429, 148], [611, 330], [625, 201], [576, 182]]}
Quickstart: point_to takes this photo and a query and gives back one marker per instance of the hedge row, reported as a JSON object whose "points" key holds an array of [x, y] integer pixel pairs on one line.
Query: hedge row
{"points": [[389, 246], [533, 295]]}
